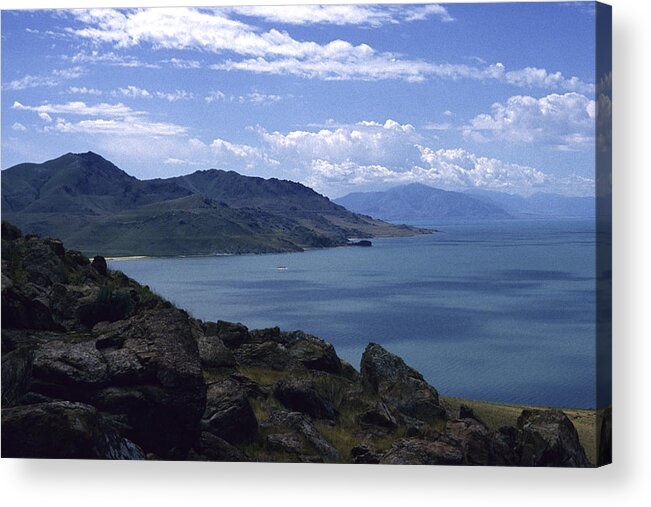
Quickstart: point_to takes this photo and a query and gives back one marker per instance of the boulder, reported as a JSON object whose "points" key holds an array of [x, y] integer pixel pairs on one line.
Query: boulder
{"points": [[99, 263], [301, 395], [378, 416], [16, 375], [69, 370], [465, 412], [548, 438], [268, 355], [270, 334], [314, 353], [286, 443], [281, 421], [213, 352], [62, 429], [229, 414], [154, 379], [400, 385], [363, 455], [212, 448], [231, 334], [479, 445], [412, 451]]}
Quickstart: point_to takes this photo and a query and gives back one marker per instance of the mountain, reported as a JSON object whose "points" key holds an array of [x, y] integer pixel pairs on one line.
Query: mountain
{"points": [[96, 207], [417, 203], [539, 205], [96, 366]]}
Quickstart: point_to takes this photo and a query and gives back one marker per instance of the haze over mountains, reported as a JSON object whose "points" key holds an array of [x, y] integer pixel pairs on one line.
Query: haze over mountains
{"points": [[418, 203], [96, 207]]}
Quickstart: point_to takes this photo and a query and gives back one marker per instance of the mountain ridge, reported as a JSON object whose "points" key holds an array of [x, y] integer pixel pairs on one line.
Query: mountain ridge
{"points": [[418, 203], [97, 207]]}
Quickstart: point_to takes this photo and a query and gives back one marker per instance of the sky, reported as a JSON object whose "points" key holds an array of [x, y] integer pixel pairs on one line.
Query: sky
{"points": [[341, 98]]}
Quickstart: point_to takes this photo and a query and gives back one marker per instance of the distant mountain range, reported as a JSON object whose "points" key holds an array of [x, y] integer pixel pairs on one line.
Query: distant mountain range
{"points": [[418, 203], [98, 208]]}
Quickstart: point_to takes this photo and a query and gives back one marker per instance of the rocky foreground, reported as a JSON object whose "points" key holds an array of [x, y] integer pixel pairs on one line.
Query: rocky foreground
{"points": [[96, 366]]}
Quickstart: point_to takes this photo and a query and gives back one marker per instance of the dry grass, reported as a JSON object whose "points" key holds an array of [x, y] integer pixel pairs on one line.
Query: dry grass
{"points": [[504, 414], [266, 377]]}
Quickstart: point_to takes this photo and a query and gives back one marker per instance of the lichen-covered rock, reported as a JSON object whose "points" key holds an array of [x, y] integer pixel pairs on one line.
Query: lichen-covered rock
{"points": [[287, 443], [301, 395], [267, 355], [231, 334], [548, 438], [411, 451], [379, 416], [213, 352], [314, 353], [228, 413], [479, 445], [400, 385], [16, 375], [212, 448], [62, 429], [363, 455], [280, 420]]}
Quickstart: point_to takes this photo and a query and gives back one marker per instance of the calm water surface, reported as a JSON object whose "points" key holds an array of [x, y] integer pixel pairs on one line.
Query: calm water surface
{"points": [[499, 311]]}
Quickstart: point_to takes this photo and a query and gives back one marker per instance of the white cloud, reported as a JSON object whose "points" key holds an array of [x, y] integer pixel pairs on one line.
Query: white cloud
{"points": [[224, 151], [110, 58], [365, 141], [83, 90], [119, 127], [180, 63], [437, 126], [18, 127], [133, 92], [371, 15], [80, 108], [109, 119], [532, 77], [254, 97], [454, 169], [562, 121], [45, 117], [276, 52], [54, 78], [175, 95], [215, 96]]}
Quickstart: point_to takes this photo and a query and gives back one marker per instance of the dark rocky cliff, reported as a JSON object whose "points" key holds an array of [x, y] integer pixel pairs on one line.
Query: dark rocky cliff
{"points": [[95, 365]]}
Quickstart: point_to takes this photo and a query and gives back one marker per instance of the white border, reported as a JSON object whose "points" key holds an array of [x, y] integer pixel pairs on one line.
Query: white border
{"points": [[68, 483]]}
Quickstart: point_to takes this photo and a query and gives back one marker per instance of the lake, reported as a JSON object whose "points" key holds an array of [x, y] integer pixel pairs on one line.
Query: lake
{"points": [[495, 311]]}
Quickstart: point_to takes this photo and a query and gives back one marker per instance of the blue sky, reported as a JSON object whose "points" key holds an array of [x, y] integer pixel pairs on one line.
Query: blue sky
{"points": [[341, 98]]}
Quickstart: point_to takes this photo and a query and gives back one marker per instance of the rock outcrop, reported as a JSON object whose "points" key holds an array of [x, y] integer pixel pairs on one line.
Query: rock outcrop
{"points": [[96, 366]]}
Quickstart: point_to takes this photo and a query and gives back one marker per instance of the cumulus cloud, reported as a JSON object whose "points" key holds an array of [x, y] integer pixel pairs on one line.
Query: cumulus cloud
{"points": [[454, 169], [18, 127], [366, 141], [566, 122], [54, 78]]}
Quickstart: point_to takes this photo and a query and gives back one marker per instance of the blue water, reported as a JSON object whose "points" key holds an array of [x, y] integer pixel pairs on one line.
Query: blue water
{"points": [[498, 311]]}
